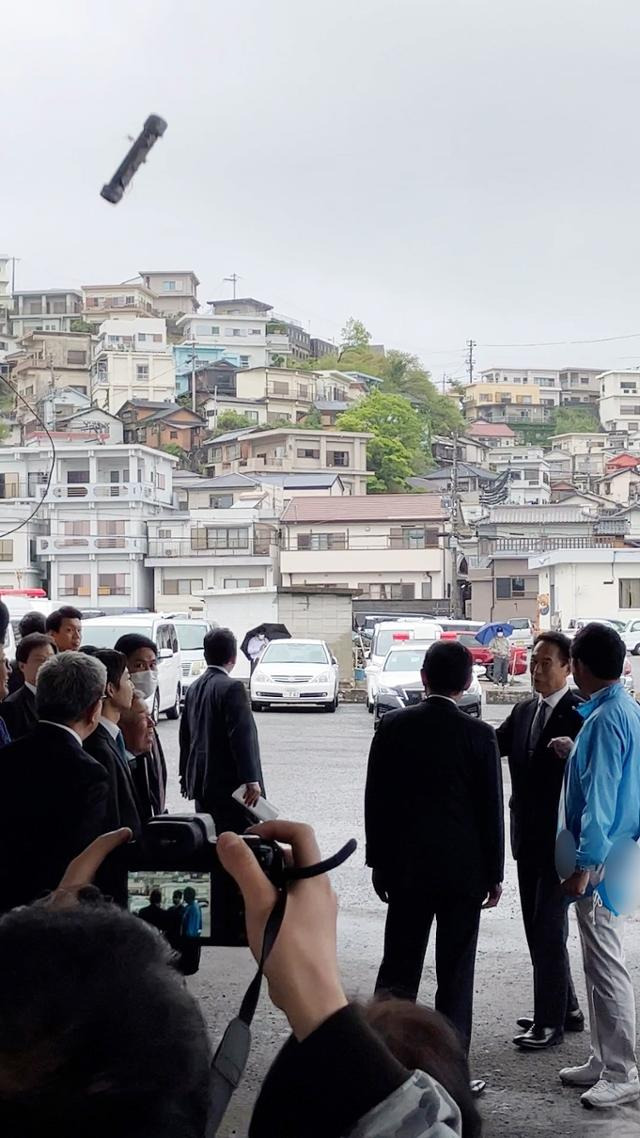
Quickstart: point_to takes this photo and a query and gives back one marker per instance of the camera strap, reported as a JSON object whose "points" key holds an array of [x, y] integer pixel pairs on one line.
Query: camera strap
{"points": [[231, 1057]]}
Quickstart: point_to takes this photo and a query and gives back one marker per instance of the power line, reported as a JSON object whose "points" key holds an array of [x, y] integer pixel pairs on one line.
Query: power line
{"points": [[47, 484]]}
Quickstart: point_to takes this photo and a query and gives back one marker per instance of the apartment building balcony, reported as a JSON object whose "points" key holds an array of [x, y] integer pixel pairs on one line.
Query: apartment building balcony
{"points": [[101, 491], [523, 545], [161, 551], [56, 546]]}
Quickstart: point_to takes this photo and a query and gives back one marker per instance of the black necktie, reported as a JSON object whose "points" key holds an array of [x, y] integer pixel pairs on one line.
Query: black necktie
{"points": [[538, 725]]}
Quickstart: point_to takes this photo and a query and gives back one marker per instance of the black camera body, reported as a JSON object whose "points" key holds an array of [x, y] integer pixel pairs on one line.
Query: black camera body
{"points": [[198, 901]]}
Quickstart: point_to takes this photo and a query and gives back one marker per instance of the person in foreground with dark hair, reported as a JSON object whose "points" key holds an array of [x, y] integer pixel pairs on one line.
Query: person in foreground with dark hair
{"points": [[30, 622], [219, 748], [107, 746], [601, 805], [435, 835], [420, 1038], [18, 710], [64, 626], [95, 988], [537, 772], [53, 795], [151, 770], [5, 671]]}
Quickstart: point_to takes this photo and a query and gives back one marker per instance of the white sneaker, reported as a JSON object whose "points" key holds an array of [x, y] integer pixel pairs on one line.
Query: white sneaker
{"points": [[586, 1075], [606, 1094]]}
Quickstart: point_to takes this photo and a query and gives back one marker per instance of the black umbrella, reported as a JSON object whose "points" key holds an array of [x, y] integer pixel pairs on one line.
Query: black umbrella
{"points": [[270, 631]]}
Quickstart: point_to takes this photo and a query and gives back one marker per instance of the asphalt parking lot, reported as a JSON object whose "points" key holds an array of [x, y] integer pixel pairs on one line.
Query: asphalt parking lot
{"points": [[315, 767]]}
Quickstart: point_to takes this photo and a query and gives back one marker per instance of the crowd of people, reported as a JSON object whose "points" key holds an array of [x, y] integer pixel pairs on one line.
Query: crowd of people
{"points": [[97, 1029]]}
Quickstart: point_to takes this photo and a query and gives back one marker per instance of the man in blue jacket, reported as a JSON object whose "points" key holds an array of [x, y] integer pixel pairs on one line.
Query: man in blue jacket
{"points": [[602, 807]]}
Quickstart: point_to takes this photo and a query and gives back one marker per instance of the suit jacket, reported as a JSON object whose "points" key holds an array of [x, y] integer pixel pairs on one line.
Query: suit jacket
{"points": [[434, 814], [19, 712], [53, 798], [122, 805], [536, 780], [218, 738]]}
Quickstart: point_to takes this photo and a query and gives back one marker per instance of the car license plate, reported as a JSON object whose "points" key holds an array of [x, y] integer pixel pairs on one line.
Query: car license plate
{"points": [[293, 693]]}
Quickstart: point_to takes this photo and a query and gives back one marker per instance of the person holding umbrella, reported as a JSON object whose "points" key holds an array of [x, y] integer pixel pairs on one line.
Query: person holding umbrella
{"points": [[257, 639], [495, 636], [255, 647]]}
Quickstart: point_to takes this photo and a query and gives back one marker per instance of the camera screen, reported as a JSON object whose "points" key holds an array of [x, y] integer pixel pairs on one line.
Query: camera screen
{"points": [[175, 901]]}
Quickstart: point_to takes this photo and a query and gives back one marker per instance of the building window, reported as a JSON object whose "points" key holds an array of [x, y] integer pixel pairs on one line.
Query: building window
{"points": [[164, 533], [6, 550], [142, 371], [76, 357], [280, 387], [514, 587], [244, 361], [219, 537], [629, 592], [584, 380], [303, 391], [9, 486], [112, 584], [338, 458], [388, 590], [75, 585], [173, 434], [308, 452], [160, 481], [322, 541], [244, 582], [168, 286], [180, 587], [220, 501]]}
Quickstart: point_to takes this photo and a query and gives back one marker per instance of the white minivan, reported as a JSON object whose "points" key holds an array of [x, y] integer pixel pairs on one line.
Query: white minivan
{"points": [[105, 631], [191, 634], [385, 635]]}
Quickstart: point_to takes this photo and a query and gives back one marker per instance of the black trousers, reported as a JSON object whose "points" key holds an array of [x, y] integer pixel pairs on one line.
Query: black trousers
{"points": [[410, 916], [545, 916], [227, 814]]}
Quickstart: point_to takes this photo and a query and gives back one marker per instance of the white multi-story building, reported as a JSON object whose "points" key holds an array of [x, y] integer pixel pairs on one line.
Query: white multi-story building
{"points": [[580, 385], [546, 380], [87, 542], [206, 549], [386, 546], [48, 362], [46, 310], [175, 291], [132, 361], [620, 400], [6, 299], [241, 326], [529, 479]]}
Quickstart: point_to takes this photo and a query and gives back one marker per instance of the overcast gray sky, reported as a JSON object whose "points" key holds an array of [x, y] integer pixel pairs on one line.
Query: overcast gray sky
{"points": [[442, 169]]}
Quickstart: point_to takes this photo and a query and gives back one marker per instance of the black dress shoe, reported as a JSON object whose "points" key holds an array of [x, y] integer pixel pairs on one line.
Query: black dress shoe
{"points": [[539, 1038], [573, 1022]]}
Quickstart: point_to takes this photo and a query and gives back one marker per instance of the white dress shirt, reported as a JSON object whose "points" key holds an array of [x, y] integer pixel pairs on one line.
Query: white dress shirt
{"points": [[553, 700], [110, 726], [31, 687]]}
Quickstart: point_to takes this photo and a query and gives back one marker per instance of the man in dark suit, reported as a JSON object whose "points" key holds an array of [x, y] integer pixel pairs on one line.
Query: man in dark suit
{"points": [[219, 748], [30, 622], [435, 835], [106, 744], [18, 710], [537, 773], [53, 795]]}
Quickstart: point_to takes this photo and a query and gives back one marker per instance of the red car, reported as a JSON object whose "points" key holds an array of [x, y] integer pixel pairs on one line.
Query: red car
{"points": [[518, 662]]}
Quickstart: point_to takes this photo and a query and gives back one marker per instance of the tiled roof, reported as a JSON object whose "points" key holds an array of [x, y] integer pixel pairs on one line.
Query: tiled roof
{"points": [[493, 430], [504, 515], [365, 507]]}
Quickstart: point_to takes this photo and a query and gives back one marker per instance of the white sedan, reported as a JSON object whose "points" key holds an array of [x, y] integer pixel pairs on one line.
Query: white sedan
{"points": [[295, 672]]}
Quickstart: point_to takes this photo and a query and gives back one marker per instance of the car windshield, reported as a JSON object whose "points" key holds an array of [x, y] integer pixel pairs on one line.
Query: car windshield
{"points": [[468, 641], [404, 661], [517, 623], [284, 652], [191, 635], [105, 635]]}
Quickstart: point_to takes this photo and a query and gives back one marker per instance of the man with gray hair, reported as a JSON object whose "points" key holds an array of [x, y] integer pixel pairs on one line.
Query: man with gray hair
{"points": [[53, 795]]}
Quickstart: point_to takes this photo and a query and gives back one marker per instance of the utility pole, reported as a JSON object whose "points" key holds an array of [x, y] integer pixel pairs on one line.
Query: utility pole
{"points": [[193, 375], [471, 345], [454, 528], [233, 279]]}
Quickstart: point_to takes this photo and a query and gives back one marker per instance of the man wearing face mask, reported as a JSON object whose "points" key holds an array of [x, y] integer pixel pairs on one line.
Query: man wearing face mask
{"points": [[142, 663], [500, 647]]}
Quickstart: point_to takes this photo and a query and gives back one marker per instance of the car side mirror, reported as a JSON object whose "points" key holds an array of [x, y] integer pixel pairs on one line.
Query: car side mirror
{"points": [[333, 660], [165, 654]]}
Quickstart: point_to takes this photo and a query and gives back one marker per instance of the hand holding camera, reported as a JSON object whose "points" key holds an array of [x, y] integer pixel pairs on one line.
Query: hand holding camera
{"points": [[302, 967]]}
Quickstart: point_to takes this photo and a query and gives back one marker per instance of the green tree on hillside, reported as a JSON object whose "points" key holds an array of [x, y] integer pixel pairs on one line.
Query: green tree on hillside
{"points": [[231, 421], [354, 334], [397, 449], [568, 419]]}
